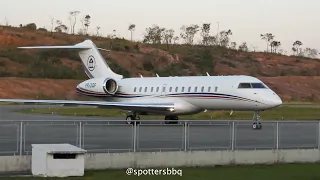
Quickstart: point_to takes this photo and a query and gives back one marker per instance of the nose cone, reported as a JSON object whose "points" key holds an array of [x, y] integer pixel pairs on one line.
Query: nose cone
{"points": [[274, 101]]}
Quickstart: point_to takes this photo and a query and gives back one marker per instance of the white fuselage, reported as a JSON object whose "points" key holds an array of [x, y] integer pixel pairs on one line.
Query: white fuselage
{"points": [[190, 94]]}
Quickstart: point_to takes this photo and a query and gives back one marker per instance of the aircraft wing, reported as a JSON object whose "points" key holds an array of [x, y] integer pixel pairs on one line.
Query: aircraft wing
{"points": [[120, 105]]}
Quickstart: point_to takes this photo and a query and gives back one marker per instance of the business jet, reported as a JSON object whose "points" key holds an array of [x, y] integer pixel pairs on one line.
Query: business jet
{"points": [[168, 96]]}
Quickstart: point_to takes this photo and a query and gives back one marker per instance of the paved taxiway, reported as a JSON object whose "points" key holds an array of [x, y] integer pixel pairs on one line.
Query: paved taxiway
{"points": [[101, 136]]}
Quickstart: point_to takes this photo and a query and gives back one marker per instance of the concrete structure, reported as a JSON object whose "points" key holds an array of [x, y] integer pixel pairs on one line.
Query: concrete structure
{"points": [[175, 159], [57, 160]]}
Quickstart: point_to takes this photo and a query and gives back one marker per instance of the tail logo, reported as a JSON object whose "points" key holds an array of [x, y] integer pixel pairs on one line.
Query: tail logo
{"points": [[91, 63]]}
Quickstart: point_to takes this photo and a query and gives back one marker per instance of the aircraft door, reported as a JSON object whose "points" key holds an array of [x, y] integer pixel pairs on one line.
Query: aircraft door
{"points": [[163, 90]]}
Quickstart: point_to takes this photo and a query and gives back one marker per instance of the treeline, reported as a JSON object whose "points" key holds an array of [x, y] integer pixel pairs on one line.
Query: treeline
{"points": [[160, 35]]}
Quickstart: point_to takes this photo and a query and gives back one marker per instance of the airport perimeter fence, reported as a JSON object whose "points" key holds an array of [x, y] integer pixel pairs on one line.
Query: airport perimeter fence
{"points": [[105, 136]]}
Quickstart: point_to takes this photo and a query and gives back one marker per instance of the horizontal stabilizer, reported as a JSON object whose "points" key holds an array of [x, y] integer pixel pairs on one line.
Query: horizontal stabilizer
{"points": [[75, 47]]}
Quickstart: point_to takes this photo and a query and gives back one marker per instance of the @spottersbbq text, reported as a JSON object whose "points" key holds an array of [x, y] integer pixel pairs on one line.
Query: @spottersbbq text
{"points": [[155, 172]]}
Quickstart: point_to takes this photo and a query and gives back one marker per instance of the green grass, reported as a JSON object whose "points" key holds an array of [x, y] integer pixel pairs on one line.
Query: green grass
{"points": [[281, 113], [300, 103], [10, 103], [249, 172]]}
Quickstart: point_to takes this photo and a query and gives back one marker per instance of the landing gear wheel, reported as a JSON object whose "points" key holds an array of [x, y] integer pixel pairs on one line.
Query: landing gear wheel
{"points": [[256, 124], [130, 119], [171, 119]]}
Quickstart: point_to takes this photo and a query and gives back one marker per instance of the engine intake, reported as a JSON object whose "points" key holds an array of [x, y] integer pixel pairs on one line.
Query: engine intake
{"points": [[110, 86]]}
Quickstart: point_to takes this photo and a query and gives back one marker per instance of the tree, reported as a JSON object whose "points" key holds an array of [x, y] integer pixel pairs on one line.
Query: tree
{"points": [[233, 45], [268, 37], [31, 26], [52, 22], [97, 31], [224, 38], [212, 40], [175, 40], [188, 33], [60, 27], [205, 30], [243, 47], [274, 45], [87, 22], [153, 34], [311, 53], [73, 20], [132, 27], [168, 36], [296, 47]]}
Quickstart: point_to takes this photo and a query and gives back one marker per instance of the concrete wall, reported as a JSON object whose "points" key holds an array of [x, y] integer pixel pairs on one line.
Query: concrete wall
{"points": [[175, 159]]}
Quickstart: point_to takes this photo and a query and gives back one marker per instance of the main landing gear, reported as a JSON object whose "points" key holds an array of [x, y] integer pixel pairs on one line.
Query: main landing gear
{"points": [[256, 121], [132, 117], [171, 119]]}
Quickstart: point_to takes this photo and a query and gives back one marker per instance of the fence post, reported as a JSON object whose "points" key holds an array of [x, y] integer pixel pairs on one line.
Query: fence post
{"points": [[319, 135], [80, 135], [185, 135], [21, 137], [233, 136], [134, 136], [277, 135]]}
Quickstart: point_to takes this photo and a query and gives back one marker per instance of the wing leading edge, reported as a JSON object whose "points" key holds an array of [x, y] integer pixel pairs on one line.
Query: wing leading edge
{"points": [[120, 105]]}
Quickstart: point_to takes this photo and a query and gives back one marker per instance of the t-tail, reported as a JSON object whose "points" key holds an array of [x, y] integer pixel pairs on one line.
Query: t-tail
{"points": [[94, 64]]}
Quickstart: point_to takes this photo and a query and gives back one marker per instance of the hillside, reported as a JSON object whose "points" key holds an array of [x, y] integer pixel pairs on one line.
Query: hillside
{"points": [[294, 78]]}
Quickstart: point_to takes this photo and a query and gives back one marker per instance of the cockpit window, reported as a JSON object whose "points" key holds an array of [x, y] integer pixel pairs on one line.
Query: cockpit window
{"points": [[252, 85], [257, 85], [244, 85]]}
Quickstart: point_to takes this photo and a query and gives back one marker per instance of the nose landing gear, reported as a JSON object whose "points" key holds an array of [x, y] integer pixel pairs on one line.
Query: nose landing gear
{"points": [[256, 121]]}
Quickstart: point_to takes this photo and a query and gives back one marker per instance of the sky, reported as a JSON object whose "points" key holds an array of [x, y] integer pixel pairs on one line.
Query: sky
{"points": [[288, 20]]}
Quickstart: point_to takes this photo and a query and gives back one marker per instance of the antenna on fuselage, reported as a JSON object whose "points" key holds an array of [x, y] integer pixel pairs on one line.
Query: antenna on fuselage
{"points": [[208, 74], [141, 75], [231, 112], [157, 75]]}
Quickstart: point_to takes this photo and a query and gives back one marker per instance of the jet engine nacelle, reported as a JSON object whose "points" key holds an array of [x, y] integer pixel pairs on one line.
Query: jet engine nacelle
{"points": [[110, 86], [98, 86]]}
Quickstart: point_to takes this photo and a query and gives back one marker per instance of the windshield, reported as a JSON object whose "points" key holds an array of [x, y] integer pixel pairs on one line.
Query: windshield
{"points": [[251, 85]]}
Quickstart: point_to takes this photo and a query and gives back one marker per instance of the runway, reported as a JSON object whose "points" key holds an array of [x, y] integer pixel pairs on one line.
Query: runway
{"points": [[116, 136]]}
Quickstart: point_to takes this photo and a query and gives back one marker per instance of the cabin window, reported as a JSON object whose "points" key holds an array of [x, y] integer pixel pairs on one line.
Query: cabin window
{"points": [[257, 85], [135, 89], [209, 88], [163, 89], [182, 89], [189, 89], [145, 89], [157, 89], [244, 85], [202, 89], [195, 89], [176, 89], [170, 89], [140, 89], [216, 89], [151, 89]]}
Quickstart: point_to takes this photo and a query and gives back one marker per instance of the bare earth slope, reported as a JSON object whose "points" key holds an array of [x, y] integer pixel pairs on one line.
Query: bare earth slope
{"points": [[54, 75]]}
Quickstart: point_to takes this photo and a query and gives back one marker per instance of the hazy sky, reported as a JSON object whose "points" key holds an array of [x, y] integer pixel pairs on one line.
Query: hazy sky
{"points": [[288, 20]]}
